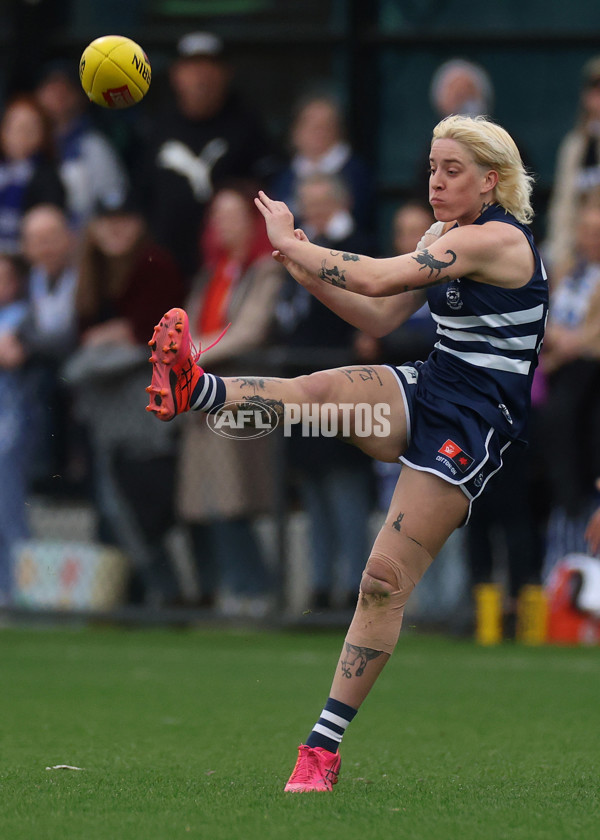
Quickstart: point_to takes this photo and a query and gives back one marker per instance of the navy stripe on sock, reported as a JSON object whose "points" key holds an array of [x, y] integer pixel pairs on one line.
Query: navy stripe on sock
{"points": [[341, 709], [329, 730], [209, 393]]}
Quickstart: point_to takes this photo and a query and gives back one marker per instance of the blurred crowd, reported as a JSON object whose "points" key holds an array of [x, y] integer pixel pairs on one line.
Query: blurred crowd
{"points": [[95, 244]]}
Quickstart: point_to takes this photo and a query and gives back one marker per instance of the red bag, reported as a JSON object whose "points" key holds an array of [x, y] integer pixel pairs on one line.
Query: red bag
{"points": [[573, 591]]}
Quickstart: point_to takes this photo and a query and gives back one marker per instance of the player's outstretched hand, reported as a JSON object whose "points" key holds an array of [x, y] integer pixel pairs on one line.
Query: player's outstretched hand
{"points": [[300, 274], [279, 220]]}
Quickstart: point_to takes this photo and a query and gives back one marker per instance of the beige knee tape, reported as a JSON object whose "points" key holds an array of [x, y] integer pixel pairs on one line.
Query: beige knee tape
{"points": [[399, 562]]}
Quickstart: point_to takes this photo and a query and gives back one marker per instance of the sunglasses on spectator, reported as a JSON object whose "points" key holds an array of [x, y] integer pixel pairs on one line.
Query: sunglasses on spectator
{"points": [[593, 83]]}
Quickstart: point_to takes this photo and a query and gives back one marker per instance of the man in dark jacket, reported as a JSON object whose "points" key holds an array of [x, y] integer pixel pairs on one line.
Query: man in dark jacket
{"points": [[204, 137]]}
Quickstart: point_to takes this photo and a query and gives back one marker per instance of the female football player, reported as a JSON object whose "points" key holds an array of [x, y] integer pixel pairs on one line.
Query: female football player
{"points": [[451, 417]]}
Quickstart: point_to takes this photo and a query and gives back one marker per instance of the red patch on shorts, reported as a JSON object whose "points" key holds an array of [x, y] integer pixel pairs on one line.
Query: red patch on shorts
{"points": [[457, 455], [450, 449]]}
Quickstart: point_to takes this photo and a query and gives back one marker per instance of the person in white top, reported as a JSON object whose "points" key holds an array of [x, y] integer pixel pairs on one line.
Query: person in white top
{"points": [[49, 246], [577, 173], [49, 334], [319, 146], [89, 165]]}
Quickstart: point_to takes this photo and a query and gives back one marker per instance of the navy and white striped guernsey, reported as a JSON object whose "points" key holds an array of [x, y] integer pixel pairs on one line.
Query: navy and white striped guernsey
{"points": [[489, 339]]}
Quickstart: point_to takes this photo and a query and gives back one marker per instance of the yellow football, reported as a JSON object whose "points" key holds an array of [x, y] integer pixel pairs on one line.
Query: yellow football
{"points": [[114, 72]]}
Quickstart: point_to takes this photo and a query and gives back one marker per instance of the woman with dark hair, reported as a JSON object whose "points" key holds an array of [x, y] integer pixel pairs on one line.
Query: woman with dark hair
{"points": [[28, 174], [224, 484], [123, 276]]}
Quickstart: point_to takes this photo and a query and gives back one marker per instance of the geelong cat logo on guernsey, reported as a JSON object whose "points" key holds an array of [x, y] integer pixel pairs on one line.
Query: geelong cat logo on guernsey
{"points": [[453, 295]]}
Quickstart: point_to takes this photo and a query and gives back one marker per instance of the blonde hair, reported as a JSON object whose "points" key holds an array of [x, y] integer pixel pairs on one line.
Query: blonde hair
{"points": [[493, 148]]}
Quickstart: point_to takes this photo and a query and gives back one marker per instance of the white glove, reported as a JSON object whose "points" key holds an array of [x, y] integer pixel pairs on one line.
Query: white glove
{"points": [[430, 236]]}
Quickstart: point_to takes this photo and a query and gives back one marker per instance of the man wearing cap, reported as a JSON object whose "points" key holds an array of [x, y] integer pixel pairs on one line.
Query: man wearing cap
{"points": [[203, 137]]}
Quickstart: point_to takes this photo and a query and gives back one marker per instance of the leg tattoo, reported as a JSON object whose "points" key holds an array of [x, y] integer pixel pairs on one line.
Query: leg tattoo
{"points": [[257, 383], [396, 523], [252, 402], [365, 374], [357, 658]]}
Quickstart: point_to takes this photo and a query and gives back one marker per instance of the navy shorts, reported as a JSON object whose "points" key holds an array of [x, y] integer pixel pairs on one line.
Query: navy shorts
{"points": [[446, 439]]}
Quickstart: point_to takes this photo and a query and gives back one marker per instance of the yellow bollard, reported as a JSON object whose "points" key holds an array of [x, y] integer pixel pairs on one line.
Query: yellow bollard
{"points": [[488, 613], [532, 615]]}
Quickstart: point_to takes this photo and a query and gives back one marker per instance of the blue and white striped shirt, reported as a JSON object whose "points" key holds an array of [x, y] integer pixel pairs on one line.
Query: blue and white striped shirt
{"points": [[489, 339]]}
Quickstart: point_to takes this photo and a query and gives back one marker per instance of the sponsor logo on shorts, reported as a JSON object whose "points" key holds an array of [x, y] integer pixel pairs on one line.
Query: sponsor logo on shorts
{"points": [[446, 463], [457, 455]]}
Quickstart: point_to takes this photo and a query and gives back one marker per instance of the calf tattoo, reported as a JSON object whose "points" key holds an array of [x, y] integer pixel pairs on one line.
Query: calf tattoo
{"points": [[355, 659]]}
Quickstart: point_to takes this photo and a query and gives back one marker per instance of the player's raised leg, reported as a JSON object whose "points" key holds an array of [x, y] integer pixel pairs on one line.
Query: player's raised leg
{"points": [[175, 373], [179, 384]]}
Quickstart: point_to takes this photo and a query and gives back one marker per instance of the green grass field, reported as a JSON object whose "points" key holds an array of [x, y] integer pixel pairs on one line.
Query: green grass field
{"points": [[194, 733]]}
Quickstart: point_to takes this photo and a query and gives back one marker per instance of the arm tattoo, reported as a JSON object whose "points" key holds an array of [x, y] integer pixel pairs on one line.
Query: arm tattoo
{"points": [[366, 374], [396, 523], [356, 658], [426, 260], [333, 276], [345, 256]]}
